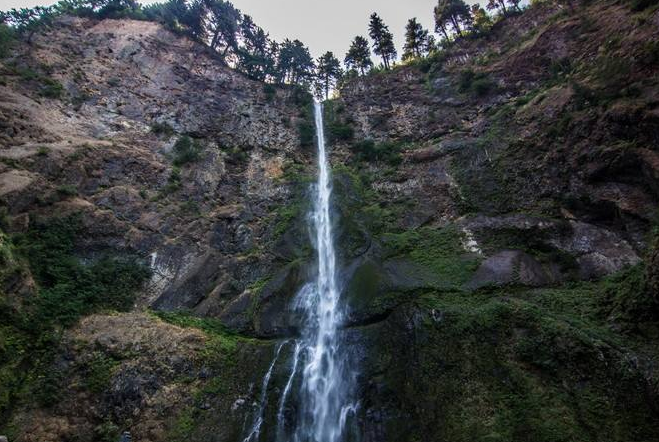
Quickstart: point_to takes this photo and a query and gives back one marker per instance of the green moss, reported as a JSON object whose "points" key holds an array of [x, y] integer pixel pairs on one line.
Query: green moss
{"points": [[439, 250], [514, 365]]}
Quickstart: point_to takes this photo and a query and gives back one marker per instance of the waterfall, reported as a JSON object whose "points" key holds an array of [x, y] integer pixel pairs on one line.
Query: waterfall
{"points": [[324, 395], [323, 404]]}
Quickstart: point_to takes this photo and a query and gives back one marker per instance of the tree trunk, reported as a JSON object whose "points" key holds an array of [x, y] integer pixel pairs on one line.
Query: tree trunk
{"points": [[456, 25]]}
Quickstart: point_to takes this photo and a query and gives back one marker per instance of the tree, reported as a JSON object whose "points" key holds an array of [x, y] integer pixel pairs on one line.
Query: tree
{"points": [[295, 64], [481, 21], [328, 72], [28, 20], [254, 56], [497, 4], [416, 40], [222, 23], [358, 57], [451, 12], [383, 40], [183, 16]]}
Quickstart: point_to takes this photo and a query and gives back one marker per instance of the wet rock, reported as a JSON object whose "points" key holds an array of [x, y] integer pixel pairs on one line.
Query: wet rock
{"points": [[512, 266]]}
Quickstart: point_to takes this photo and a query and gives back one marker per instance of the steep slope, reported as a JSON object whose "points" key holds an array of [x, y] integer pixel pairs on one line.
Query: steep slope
{"points": [[496, 209], [123, 141], [490, 193]]}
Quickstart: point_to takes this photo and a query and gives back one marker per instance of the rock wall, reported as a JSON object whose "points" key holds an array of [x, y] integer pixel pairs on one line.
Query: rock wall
{"points": [[493, 205]]}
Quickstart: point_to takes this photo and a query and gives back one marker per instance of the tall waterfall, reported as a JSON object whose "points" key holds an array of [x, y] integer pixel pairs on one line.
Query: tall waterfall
{"points": [[319, 365], [324, 395]]}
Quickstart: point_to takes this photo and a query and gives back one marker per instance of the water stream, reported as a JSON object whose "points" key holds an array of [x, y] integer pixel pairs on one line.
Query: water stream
{"points": [[320, 362]]}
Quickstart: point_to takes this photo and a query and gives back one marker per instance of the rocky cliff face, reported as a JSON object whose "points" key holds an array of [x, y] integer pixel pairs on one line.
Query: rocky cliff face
{"points": [[495, 206]]}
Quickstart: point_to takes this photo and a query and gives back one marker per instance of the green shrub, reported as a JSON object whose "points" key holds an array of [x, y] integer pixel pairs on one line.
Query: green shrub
{"points": [[370, 151], [99, 371], [478, 84], [68, 287], [67, 190], [270, 92], [163, 128], [307, 133], [51, 88], [186, 150], [642, 5]]}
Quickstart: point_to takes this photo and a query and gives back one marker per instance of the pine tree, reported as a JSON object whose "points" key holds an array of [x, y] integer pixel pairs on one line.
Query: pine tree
{"points": [[481, 21], [416, 40], [328, 72], [254, 57], [223, 23], [383, 40], [453, 13], [358, 57], [497, 4], [295, 64]]}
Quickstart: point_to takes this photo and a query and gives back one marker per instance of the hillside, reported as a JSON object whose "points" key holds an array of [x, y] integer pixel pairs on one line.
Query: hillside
{"points": [[496, 212]]}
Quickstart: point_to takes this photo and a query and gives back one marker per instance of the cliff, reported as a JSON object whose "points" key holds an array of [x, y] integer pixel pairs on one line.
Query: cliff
{"points": [[496, 209]]}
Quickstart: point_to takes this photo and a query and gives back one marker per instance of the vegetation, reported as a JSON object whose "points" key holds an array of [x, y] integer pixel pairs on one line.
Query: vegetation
{"points": [[329, 72], [358, 58], [369, 150], [383, 40], [67, 289], [186, 150], [418, 43]]}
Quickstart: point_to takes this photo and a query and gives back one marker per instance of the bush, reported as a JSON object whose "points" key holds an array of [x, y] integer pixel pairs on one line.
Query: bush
{"points": [[69, 287], [478, 84], [270, 92], [164, 128], [51, 88], [642, 5], [370, 151], [186, 150]]}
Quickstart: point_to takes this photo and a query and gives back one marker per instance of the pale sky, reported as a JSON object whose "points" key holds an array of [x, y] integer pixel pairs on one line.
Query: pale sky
{"points": [[320, 24]]}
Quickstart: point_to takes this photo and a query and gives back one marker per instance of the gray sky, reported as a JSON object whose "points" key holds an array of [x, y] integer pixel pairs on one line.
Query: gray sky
{"points": [[322, 25]]}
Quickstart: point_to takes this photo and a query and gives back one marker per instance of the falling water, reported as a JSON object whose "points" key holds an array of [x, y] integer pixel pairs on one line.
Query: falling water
{"points": [[324, 395], [323, 403], [255, 430]]}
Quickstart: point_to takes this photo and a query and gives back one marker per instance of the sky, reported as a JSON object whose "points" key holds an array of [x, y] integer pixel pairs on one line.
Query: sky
{"points": [[320, 24]]}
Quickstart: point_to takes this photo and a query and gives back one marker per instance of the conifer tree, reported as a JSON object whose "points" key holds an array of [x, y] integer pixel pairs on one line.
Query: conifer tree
{"points": [[383, 40], [416, 40], [454, 13], [223, 25], [358, 57], [328, 72]]}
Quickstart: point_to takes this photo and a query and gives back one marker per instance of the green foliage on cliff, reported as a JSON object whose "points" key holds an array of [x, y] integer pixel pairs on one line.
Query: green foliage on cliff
{"points": [[186, 150], [7, 38], [67, 288], [370, 151]]}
